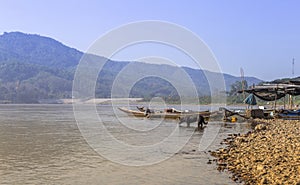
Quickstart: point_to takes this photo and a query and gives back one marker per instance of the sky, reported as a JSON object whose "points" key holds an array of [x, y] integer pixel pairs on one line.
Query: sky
{"points": [[262, 37]]}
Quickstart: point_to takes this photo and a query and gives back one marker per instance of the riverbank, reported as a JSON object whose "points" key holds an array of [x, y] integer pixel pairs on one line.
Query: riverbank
{"points": [[270, 154], [87, 101]]}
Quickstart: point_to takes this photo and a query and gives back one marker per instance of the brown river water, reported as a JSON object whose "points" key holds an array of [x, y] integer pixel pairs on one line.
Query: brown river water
{"points": [[42, 144]]}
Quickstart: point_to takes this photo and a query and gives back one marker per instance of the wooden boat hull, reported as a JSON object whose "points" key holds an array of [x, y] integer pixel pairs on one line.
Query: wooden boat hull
{"points": [[164, 115], [133, 113]]}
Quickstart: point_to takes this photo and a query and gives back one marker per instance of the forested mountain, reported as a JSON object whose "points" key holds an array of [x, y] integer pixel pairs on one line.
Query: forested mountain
{"points": [[35, 49], [34, 67]]}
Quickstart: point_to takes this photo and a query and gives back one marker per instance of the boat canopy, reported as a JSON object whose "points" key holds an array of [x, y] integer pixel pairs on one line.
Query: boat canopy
{"points": [[271, 92]]}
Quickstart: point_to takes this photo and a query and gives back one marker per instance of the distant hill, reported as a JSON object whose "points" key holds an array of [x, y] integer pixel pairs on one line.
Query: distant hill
{"points": [[33, 67], [35, 49]]}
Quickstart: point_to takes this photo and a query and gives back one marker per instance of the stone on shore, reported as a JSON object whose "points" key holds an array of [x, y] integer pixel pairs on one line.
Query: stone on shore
{"points": [[270, 154]]}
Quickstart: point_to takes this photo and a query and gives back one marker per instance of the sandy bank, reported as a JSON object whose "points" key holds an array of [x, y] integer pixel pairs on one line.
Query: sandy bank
{"points": [[268, 155], [95, 100]]}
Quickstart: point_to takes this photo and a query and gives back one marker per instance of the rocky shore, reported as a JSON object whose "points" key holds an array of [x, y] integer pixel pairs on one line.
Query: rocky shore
{"points": [[270, 154]]}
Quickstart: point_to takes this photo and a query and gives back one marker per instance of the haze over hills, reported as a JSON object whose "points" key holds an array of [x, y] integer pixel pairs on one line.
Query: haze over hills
{"points": [[34, 67]]}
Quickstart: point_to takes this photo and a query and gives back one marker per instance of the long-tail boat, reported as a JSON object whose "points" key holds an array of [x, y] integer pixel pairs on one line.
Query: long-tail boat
{"points": [[162, 114]]}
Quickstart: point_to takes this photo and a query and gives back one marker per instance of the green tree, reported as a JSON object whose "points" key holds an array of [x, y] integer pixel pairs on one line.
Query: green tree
{"points": [[235, 95]]}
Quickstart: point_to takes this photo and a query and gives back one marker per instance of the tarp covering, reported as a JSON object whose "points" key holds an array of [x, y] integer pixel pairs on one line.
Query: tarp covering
{"points": [[269, 96], [271, 92], [250, 100]]}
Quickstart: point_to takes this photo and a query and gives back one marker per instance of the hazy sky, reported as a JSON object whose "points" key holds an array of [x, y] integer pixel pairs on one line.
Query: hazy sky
{"points": [[261, 36]]}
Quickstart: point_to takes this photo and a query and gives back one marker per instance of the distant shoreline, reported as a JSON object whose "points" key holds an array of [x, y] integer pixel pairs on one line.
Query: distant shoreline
{"points": [[93, 101], [120, 100], [78, 101]]}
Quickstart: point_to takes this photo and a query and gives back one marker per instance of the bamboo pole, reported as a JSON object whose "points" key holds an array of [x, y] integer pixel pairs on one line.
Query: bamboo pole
{"points": [[276, 97], [284, 102]]}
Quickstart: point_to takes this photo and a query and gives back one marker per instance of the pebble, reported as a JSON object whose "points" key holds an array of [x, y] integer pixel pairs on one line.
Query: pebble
{"points": [[270, 154]]}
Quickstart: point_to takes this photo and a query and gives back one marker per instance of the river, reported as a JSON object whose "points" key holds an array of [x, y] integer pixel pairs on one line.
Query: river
{"points": [[42, 144]]}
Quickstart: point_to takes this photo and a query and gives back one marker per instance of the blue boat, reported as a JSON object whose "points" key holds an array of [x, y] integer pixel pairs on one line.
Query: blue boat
{"points": [[289, 114]]}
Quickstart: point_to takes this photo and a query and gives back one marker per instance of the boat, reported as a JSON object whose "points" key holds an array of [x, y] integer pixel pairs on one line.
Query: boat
{"points": [[288, 114], [169, 110], [162, 114], [151, 114], [136, 113]]}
